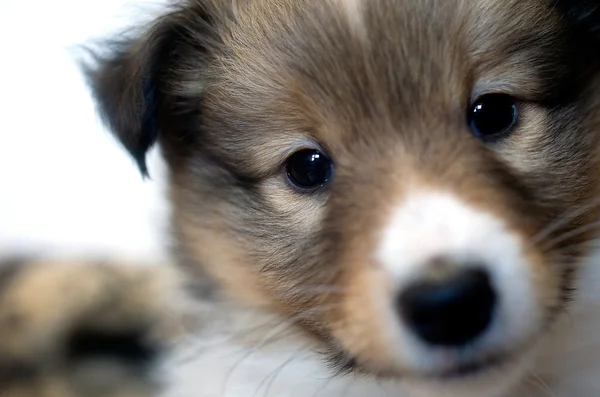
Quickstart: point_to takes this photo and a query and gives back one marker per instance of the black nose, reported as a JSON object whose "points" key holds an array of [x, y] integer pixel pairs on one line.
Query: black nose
{"points": [[450, 312]]}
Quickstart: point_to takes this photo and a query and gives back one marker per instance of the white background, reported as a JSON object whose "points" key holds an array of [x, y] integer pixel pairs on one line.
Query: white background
{"points": [[66, 187]]}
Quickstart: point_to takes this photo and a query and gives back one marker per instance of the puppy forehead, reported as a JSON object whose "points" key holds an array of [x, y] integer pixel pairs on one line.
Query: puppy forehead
{"points": [[354, 12], [297, 67], [397, 47]]}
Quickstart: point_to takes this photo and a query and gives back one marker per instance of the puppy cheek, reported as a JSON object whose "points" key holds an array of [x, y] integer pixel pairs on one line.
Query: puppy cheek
{"points": [[215, 253], [550, 280], [362, 320], [303, 212]]}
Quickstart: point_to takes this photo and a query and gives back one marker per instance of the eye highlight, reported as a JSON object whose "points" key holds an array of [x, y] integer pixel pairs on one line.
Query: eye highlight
{"points": [[493, 116], [309, 169]]}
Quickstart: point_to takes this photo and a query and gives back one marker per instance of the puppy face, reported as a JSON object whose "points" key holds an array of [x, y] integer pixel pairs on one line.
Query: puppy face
{"points": [[410, 181]]}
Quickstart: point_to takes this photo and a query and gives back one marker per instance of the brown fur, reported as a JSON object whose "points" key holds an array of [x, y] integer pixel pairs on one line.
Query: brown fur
{"points": [[230, 89], [244, 82], [236, 86]]}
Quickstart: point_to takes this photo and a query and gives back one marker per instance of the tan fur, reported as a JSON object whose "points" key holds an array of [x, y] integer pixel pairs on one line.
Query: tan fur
{"points": [[230, 89]]}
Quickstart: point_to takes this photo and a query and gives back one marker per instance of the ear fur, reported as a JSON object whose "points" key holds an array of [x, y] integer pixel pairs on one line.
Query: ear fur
{"points": [[131, 83]]}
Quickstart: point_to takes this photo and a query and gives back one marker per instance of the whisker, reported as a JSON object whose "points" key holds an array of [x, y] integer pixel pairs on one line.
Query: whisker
{"points": [[275, 377], [269, 380], [322, 387], [197, 352], [215, 343], [572, 233], [563, 219], [286, 324], [272, 337], [542, 385]]}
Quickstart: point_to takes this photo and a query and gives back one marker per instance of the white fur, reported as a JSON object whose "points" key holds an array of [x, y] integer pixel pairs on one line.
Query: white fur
{"points": [[215, 366], [568, 367], [71, 182], [218, 362], [437, 224], [570, 359]]}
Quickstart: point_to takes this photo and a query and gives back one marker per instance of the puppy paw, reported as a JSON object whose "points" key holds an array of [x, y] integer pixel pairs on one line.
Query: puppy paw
{"points": [[81, 329]]}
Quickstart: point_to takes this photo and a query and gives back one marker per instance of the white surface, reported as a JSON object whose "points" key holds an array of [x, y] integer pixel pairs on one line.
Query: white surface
{"points": [[66, 187]]}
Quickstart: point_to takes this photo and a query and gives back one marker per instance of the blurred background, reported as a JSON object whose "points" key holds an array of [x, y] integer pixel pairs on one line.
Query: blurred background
{"points": [[66, 187]]}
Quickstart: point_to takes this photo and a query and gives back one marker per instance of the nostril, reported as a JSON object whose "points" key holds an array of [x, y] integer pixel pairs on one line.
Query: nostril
{"points": [[450, 312]]}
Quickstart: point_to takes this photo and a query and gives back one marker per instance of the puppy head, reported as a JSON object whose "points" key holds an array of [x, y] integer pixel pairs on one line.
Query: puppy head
{"points": [[410, 181]]}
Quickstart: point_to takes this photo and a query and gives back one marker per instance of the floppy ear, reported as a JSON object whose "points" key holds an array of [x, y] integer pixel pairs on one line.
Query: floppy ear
{"points": [[131, 83]]}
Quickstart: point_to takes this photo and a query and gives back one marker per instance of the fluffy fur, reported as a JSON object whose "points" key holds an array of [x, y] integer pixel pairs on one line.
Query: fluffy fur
{"points": [[230, 89]]}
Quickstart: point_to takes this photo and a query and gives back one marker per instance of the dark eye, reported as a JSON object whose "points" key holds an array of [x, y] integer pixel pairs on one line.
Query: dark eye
{"points": [[309, 168], [493, 116]]}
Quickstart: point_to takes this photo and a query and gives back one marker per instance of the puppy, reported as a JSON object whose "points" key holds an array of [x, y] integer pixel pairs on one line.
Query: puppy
{"points": [[408, 189]]}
